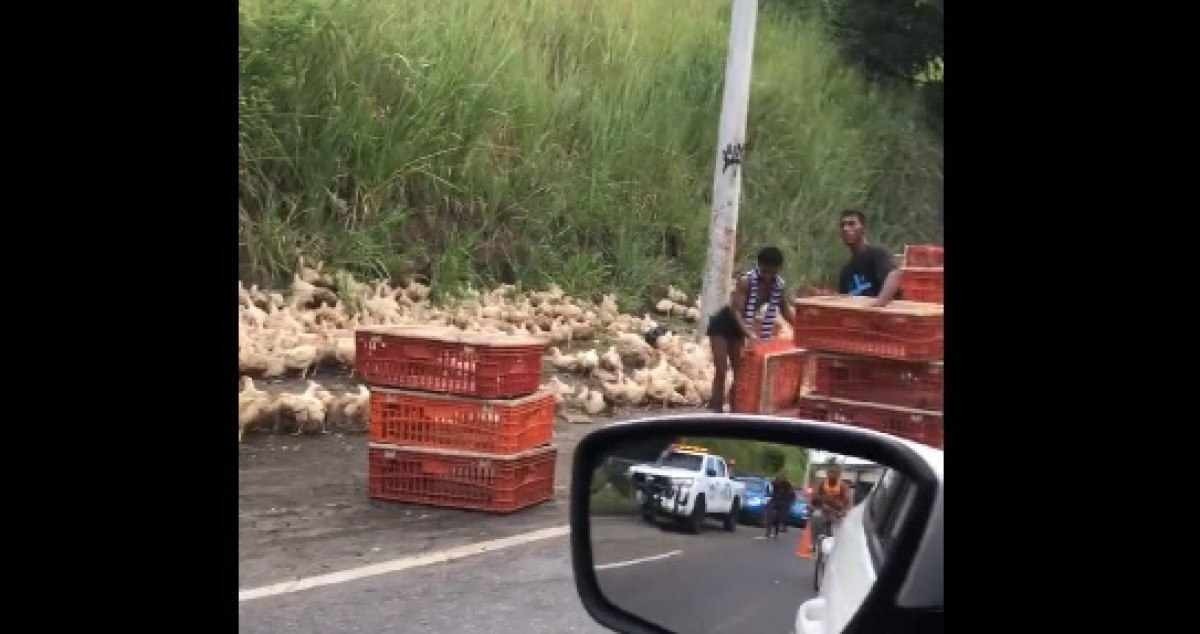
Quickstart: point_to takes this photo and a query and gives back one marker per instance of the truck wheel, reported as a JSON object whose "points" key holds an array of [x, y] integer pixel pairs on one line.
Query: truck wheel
{"points": [[731, 519], [696, 521], [648, 511]]}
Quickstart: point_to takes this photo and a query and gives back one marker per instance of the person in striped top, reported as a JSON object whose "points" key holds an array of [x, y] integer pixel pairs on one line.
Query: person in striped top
{"points": [[738, 323]]}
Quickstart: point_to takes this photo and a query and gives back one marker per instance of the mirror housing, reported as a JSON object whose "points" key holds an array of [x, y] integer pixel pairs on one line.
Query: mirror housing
{"points": [[881, 610], [712, 473]]}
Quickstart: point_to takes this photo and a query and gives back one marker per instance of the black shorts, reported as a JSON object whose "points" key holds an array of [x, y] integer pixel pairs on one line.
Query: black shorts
{"points": [[724, 324]]}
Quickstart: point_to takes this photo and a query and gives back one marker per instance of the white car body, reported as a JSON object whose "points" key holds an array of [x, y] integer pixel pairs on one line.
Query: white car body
{"points": [[719, 491], [849, 571]]}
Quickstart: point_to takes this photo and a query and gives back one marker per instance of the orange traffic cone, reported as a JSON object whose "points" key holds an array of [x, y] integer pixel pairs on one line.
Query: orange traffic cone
{"points": [[804, 549]]}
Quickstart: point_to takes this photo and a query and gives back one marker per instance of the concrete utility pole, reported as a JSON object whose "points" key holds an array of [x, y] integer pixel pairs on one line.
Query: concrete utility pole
{"points": [[727, 175]]}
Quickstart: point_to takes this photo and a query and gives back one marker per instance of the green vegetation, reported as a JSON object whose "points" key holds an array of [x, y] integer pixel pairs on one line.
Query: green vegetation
{"points": [[608, 500], [556, 140], [758, 458]]}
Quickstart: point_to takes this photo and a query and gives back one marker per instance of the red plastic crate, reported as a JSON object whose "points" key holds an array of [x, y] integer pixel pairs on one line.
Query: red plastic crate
{"points": [[923, 284], [768, 377], [923, 255], [449, 360], [436, 420], [461, 479], [899, 383], [902, 330], [918, 425]]}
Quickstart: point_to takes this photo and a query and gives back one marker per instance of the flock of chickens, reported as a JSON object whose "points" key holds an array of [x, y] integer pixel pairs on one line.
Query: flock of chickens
{"points": [[617, 362]]}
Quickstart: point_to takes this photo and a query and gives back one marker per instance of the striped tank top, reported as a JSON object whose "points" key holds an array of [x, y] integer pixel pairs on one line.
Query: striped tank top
{"points": [[754, 279]]}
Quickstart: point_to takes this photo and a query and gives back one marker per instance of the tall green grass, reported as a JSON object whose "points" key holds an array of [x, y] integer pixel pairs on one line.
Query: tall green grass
{"points": [[555, 140]]}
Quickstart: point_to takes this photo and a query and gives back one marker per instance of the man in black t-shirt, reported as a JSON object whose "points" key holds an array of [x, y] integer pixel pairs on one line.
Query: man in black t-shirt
{"points": [[870, 271]]}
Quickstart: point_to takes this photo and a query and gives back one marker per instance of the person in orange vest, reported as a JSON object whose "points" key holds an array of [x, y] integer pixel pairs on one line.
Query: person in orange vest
{"points": [[831, 500]]}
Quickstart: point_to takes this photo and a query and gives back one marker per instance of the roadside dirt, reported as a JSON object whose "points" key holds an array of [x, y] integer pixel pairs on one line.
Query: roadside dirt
{"points": [[303, 508]]}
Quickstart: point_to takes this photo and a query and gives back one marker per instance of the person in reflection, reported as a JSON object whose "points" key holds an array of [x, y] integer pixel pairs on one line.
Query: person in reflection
{"points": [[782, 496], [831, 500]]}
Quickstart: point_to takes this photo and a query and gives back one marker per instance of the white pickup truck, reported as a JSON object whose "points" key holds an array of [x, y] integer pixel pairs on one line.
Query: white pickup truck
{"points": [[688, 484]]}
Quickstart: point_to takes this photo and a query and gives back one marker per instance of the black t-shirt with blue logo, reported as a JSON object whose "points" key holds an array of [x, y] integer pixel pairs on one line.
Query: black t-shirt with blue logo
{"points": [[865, 272]]}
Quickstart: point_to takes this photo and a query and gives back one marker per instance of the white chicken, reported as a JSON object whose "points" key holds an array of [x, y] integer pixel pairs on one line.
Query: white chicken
{"points": [[676, 295], [570, 311], [302, 358], [595, 403], [276, 367], [306, 410], [253, 315], [560, 389], [565, 362], [560, 332], [605, 375], [344, 350], [661, 382], [354, 408], [325, 396], [581, 330], [611, 360], [609, 311], [588, 360], [309, 275], [254, 405], [579, 399], [633, 349], [625, 391]]}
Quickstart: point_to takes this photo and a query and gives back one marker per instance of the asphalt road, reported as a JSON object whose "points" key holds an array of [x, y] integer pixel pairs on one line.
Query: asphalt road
{"points": [[525, 589], [712, 582], [716, 581]]}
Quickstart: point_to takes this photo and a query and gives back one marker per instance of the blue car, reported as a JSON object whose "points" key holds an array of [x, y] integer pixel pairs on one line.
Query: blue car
{"points": [[758, 493]]}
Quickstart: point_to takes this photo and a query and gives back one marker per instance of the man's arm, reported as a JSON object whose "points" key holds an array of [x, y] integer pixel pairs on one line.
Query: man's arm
{"points": [[887, 271], [738, 298], [891, 284]]}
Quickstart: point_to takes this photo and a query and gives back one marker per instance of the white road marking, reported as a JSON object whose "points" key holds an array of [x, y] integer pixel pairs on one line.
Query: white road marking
{"points": [[404, 563], [622, 564]]}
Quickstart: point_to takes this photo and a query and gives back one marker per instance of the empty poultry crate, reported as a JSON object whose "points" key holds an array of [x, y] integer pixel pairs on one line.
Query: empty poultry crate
{"points": [[902, 330], [923, 284], [449, 360], [461, 479], [437, 420], [884, 381], [922, 426], [768, 377]]}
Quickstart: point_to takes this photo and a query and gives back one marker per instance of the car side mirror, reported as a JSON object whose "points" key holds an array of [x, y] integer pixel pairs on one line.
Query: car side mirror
{"points": [[645, 545], [712, 473]]}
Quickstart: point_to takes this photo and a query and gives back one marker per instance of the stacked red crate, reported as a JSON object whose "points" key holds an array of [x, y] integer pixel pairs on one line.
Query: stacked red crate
{"points": [[767, 377], [457, 419], [872, 367], [923, 276]]}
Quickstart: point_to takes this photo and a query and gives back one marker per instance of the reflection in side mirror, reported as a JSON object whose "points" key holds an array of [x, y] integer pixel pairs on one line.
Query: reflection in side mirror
{"points": [[675, 545]]}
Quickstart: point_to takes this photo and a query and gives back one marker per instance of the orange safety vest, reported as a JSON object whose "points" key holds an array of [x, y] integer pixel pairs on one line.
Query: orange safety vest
{"points": [[826, 490]]}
